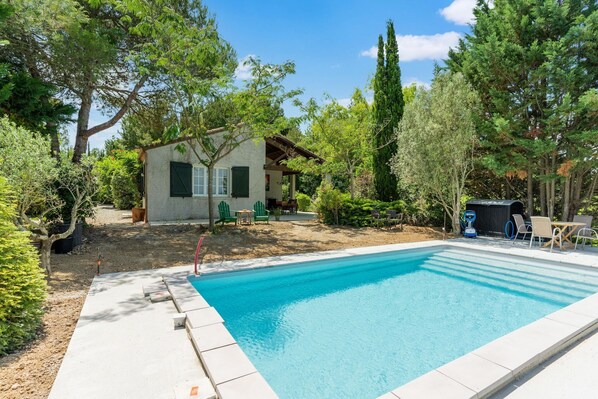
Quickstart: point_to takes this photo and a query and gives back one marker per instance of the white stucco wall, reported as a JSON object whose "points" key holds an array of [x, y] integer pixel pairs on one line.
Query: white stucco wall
{"points": [[162, 207], [275, 185]]}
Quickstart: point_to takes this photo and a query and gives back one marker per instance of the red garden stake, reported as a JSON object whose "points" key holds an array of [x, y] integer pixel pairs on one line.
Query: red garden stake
{"points": [[197, 251]]}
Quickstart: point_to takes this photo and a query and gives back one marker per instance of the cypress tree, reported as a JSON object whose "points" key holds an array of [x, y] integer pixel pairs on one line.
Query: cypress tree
{"points": [[388, 111]]}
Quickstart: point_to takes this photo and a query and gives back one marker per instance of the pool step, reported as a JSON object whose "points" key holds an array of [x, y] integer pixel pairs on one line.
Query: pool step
{"points": [[551, 295], [500, 270], [529, 265]]}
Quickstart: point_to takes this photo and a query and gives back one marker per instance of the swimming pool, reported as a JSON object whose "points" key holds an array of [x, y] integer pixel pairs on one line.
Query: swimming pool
{"points": [[359, 326]]}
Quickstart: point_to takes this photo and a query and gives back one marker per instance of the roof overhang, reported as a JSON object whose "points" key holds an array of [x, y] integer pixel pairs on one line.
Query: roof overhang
{"points": [[280, 148]]}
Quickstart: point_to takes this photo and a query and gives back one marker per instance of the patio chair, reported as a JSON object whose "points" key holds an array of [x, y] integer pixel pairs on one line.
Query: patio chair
{"points": [[520, 226], [542, 228], [392, 217], [584, 233], [224, 214], [375, 217], [260, 213]]}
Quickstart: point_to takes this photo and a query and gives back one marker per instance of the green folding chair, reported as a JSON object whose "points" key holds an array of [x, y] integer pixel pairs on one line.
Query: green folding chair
{"points": [[260, 213], [224, 213]]}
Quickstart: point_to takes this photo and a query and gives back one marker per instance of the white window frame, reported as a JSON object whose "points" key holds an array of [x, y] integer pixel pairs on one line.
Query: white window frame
{"points": [[215, 181]]}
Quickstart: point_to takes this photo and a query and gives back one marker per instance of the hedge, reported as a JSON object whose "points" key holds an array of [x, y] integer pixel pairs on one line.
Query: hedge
{"points": [[22, 283], [358, 212], [124, 192]]}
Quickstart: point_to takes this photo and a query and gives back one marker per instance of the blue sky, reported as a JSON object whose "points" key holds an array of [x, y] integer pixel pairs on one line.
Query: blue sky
{"points": [[332, 42]]}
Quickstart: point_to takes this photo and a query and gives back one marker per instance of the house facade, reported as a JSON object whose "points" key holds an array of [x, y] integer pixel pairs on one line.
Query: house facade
{"points": [[175, 183]]}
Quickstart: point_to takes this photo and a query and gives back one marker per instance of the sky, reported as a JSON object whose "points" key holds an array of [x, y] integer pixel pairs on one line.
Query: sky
{"points": [[333, 42]]}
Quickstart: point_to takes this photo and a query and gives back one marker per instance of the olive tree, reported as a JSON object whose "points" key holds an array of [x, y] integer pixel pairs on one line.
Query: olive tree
{"points": [[436, 141], [33, 174]]}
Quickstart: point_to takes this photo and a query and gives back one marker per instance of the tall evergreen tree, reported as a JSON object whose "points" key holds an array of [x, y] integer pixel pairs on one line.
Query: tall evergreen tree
{"points": [[388, 111], [535, 66]]}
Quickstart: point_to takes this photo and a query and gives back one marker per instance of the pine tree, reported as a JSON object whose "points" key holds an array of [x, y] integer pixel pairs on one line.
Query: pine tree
{"points": [[388, 111]]}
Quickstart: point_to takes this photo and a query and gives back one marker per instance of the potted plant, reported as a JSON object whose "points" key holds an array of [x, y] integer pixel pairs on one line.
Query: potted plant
{"points": [[277, 212], [138, 212]]}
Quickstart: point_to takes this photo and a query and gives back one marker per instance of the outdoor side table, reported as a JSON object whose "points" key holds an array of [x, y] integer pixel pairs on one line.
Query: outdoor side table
{"points": [[244, 216], [568, 228]]}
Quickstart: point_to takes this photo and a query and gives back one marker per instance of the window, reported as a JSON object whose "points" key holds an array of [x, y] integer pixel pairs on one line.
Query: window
{"points": [[199, 177], [219, 182]]}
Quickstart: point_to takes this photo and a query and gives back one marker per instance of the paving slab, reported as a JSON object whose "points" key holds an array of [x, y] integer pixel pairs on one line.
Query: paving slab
{"points": [[570, 375], [249, 386], [520, 349], [434, 385], [150, 286], [575, 319], [182, 290], [227, 363], [194, 302], [124, 346], [211, 337], [198, 389], [476, 373], [587, 306], [203, 317]]}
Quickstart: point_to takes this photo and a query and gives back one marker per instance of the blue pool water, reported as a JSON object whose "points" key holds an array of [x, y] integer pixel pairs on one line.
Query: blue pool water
{"points": [[360, 326]]}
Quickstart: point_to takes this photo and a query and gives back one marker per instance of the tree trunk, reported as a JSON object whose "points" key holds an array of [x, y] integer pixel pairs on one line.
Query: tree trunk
{"points": [[455, 220], [54, 141], [351, 183], [507, 189], [46, 250], [530, 192], [82, 126], [542, 198], [210, 196], [566, 197]]}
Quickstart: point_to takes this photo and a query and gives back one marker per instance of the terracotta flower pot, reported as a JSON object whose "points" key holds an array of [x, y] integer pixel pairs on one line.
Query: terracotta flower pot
{"points": [[138, 214]]}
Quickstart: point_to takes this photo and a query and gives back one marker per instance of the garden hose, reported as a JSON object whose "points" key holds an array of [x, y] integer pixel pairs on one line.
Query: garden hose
{"points": [[510, 236]]}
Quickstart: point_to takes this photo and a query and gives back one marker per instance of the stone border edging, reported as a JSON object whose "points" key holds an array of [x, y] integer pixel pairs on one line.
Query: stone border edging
{"points": [[231, 372]]}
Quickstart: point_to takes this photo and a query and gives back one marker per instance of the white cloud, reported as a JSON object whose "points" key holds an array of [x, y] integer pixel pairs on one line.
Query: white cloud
{"points": [[244, 71], [417, 82], [345, 102], [421, 47], [459, 11]]}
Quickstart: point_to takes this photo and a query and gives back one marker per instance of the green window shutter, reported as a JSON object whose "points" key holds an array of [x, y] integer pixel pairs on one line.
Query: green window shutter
{"points": [[240, 177], [180, 179]]}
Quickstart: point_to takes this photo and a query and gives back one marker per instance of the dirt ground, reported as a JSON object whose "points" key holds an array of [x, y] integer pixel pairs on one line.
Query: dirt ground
{"points": [[30, 372]]}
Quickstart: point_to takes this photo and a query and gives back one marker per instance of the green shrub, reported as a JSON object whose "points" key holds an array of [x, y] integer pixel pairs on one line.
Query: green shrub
{"points": [[329, 203], [124, 191], [122, 161], [334, 207], [22, 283], [303, 202]]}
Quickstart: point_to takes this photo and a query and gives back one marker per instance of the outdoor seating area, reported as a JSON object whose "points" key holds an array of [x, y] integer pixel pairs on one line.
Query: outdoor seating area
{"points": [[259, 213], [566, 235], [390, 218]]}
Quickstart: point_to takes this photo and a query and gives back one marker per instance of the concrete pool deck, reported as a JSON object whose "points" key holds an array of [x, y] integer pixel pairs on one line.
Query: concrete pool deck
{"points": [[114, 350], [125, 346]]}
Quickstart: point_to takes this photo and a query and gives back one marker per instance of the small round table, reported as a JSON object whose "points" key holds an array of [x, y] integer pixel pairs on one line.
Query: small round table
{"points": [[244, 216]]}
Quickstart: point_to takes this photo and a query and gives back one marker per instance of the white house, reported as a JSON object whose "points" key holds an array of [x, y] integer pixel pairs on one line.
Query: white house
{"points": [[175, 184]]}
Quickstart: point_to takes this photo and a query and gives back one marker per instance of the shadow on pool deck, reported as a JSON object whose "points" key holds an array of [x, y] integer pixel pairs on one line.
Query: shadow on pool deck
{"points": [[125, 346]]}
